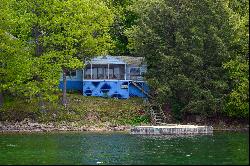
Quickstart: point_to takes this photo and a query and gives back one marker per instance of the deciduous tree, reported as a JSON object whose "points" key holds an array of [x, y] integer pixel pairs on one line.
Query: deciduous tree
{"points": [[61, 35]]}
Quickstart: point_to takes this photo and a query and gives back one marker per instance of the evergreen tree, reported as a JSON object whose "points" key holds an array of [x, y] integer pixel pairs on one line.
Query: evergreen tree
{"points": [[185, 44]]}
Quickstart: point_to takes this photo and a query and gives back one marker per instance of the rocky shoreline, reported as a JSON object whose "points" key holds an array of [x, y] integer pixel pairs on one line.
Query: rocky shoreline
{"points": [[28, 125]]}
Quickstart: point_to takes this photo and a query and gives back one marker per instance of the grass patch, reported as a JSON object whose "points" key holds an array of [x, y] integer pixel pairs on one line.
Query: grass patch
{"points": [[84, 110]]}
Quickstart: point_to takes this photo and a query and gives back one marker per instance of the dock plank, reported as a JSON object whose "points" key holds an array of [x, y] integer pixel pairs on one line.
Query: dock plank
{"points": [[169, 129]]}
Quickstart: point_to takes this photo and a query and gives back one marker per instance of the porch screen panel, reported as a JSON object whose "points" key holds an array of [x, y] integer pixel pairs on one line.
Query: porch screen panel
{"points": [[111, 73], [135, 73], [117, 71], [100, 71], [87, 72], [94, 73]]}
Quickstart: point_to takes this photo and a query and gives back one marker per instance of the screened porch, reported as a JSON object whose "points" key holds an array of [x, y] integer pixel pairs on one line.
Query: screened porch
{"points": [[105, 72]]}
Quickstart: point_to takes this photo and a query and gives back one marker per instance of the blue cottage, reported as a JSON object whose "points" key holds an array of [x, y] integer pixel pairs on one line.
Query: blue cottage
{"points": [[110, 76]]}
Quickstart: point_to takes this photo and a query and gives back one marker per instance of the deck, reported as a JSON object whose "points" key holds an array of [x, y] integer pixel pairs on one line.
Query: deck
{"points": [[170, 129]]}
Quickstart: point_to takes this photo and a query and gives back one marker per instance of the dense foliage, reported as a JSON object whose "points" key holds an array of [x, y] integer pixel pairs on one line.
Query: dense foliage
{"points": [[196, 50], [188, 46], [123, 19], [59, 35], [238, 66]]}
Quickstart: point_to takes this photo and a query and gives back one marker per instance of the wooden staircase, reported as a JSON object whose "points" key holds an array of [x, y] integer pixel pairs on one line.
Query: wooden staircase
{"points": [[141, 89], [157, 115]]}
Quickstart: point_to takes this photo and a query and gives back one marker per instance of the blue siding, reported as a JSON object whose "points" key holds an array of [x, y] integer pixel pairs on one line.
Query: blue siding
{"points": [[120, 89], [104, 88], [135, 92], [72, 85]]}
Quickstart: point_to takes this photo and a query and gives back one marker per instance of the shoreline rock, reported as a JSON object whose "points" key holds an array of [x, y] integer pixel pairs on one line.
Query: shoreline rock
{"points": [[28, 125]]}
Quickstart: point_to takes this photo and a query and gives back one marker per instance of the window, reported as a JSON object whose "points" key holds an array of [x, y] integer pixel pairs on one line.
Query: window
{"points": [[116, 71], [94, 73], [101, 71], [98, 72], [135, 73], [71, 73], [111, 73], [87, 72]]}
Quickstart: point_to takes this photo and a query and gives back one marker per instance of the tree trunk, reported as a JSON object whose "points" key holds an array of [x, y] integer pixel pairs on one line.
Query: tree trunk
{"points": [[36, 33], [1, 99], [41, 104], [64, 99]]}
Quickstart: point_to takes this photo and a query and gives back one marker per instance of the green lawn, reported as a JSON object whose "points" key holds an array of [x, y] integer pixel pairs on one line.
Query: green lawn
{"points": [[81, 109]]}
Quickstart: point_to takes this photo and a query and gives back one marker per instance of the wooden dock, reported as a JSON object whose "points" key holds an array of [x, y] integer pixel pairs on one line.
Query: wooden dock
{"points": [[171, 129]]}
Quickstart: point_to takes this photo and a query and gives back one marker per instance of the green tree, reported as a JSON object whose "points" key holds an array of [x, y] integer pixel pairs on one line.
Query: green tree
{"points": [[185, 44], [238, 99], [14, 64], [15, 57], [75, 30], [21, 21], [62, 34], [238, 66], [123, 18]]}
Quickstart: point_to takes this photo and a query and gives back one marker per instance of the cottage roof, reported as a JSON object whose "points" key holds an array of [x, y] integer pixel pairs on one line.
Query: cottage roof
{"points": [[132, 60], [117, 60]]}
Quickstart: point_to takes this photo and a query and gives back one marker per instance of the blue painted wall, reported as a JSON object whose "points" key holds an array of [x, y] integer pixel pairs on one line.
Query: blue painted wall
{"points": [[118, 89], [72, 85], [105, 88], [135, 92]]}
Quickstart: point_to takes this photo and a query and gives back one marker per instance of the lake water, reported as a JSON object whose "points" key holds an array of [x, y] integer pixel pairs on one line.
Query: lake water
{"points": [[121, 148]]}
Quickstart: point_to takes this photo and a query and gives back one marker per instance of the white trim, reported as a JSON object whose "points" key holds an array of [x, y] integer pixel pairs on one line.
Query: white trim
{"points": [[83, 73], [108, 70], [106, 63], [91, 71], [72, 80], [125, 73], [113, 80]]}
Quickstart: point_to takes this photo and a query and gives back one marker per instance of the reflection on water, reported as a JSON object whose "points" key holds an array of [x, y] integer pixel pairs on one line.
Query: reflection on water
{"points": [[121, 148], [166, 137]]}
